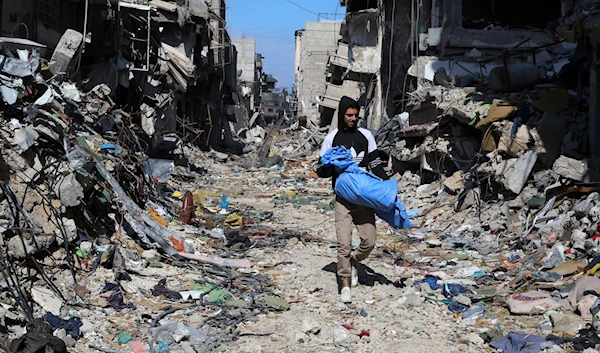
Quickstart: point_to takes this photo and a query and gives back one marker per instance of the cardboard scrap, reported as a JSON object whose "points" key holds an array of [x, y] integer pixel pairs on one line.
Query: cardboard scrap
{"points": [[569, 267], [498, 111]]}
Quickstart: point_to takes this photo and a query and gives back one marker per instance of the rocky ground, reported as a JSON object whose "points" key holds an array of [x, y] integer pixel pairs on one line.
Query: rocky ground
{"points": [[293, 256], [387, 310]]}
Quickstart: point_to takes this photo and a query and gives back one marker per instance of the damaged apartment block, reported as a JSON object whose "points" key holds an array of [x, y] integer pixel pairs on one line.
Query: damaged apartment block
{"points": [[170, 64], [496, 90]]}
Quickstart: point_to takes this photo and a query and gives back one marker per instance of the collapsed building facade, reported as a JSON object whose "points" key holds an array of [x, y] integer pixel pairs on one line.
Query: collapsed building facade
{"points": [[461, 79], [314, 45], [169, 64], [249, 66]]}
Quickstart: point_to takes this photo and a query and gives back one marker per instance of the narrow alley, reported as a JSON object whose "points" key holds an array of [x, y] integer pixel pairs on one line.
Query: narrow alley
{"points": [[184, 176]]}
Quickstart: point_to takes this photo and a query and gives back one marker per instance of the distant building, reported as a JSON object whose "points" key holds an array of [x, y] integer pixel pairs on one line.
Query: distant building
{"points": [[314, 45]]}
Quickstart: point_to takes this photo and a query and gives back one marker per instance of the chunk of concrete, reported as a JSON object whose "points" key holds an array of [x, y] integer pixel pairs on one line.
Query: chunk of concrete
{"points": [[568, 323], [516, 177], [45, 298], [24, 138], [65, 52], [571, 168], [16, 249], [455, 183], [311, 325], [69, 191]]}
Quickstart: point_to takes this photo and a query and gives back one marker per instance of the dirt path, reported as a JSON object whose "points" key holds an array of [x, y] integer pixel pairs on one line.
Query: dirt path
{"points": [[306, 271]]}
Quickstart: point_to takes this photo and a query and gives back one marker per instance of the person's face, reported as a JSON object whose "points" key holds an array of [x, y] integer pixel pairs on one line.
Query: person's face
{"points": [[351, 117]]}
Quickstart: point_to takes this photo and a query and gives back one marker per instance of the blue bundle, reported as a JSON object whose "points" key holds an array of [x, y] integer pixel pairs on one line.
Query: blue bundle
{"points": [[365, 189]]}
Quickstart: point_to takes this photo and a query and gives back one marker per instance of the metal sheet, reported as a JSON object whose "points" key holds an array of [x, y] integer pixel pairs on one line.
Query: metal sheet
{"points": [[21, 41]]}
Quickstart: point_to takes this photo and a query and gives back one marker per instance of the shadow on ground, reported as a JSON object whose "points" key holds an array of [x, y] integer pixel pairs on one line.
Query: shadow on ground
{"points": [[366, 276]]}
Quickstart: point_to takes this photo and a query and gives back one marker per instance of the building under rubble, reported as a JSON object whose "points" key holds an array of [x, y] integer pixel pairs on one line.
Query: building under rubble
{"points": [[446, 81], [169, 64]]}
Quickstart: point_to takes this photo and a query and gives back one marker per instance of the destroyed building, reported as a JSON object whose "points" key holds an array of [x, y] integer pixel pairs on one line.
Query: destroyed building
{"points": [[155, 198], [249, 65], [440, 87], [314, 45], [169, 64]]}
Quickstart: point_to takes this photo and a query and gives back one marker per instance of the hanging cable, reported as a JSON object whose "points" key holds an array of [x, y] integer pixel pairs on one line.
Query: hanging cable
{"points": [[12, 33], [85, 21], [303, 8], [387, 93]]}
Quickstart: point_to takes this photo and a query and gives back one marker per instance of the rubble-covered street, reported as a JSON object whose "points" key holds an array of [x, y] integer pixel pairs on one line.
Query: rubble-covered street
{"points": [[160, 193]]}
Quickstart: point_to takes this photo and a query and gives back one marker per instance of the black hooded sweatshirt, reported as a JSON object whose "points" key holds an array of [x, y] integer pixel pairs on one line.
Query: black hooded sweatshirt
{"points": [[358, 140]]}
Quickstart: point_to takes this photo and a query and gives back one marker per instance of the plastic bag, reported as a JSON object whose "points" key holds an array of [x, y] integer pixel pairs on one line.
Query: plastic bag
{"points": [[365, 189], [396, 217], [171, 332]]}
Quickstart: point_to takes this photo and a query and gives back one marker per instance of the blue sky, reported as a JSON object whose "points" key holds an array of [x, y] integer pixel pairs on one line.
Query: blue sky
{"points": [[273, 23]]}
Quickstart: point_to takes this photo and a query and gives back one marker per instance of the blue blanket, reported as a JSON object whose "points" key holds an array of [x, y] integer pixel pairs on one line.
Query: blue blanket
{"points": [[365, 189], [519, 342]]}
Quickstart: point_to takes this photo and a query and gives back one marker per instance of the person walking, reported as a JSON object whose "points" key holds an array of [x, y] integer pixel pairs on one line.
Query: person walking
{"points": [[361, 144]]}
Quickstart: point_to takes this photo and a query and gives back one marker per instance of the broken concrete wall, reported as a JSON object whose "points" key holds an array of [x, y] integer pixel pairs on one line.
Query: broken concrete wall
{"points": [[319, 41], [362, 28], [246, 63]]}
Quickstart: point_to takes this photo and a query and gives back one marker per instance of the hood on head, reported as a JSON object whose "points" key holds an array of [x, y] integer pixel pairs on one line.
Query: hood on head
{"points": [[345, 103]]}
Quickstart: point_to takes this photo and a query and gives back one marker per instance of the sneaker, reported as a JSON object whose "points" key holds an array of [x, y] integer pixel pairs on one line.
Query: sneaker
{"points": [[346, 296], [354, 277]]}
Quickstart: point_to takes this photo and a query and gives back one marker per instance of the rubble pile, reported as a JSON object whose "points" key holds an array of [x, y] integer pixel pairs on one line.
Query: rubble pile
{"points": [[504, 199], [104, 248]]}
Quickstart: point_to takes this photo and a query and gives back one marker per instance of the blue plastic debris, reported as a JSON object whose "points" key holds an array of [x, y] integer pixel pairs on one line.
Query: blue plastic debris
{"points": [[224, 203], [473, 311], [413, 213], [432, 281], [457, 307], [110, 147], [452, 290]]}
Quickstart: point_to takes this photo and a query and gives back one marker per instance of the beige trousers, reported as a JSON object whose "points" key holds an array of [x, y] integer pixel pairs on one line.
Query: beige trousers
{"points": [[346, 214]]}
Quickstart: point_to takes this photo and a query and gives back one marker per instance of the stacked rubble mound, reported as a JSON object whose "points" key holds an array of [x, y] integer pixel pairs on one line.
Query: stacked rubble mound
{"points": [[105, 248]]}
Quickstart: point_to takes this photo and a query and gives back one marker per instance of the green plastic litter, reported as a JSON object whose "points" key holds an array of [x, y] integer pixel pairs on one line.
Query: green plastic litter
{"points": [[221, 348], [217, 296], [80, 253], [325, 207], [205, 288], [124, 338], [107, 195], [474, 121], [155, 263], [537, 201], [277, 303], [491, 335], [410, 258], [487, 291]]}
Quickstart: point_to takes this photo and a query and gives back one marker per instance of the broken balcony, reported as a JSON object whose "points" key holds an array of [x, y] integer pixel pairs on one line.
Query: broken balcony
{"points": [[362, 34]]}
